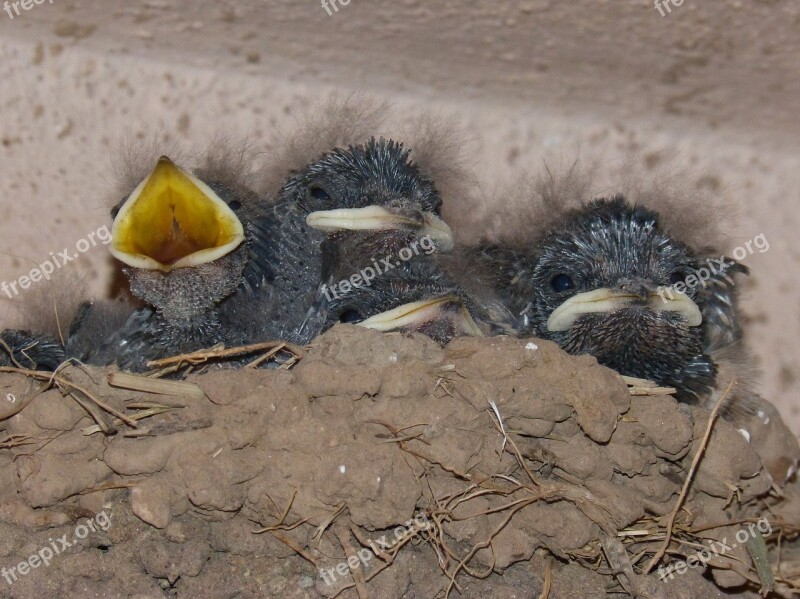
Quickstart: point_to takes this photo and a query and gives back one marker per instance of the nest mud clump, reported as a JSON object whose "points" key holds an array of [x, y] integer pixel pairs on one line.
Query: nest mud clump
{"points": [[382, 465]]}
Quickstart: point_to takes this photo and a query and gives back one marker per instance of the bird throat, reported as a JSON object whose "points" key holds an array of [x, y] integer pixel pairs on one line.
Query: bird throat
{"points": [[641, 344], [175, 246]]}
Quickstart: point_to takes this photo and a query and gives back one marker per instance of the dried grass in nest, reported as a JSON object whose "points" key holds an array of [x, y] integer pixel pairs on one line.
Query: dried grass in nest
{"points": [[623, 551], [97, 408]]}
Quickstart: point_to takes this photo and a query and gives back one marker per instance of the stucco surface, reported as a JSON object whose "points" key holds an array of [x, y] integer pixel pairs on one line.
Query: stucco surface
{"points": [[712, 88]]}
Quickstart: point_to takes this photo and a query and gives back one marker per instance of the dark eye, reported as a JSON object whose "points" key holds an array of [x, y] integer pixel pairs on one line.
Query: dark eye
{"points": [[234, 205], [561, 283], [319, 194], [350, 315], [676, 277]]}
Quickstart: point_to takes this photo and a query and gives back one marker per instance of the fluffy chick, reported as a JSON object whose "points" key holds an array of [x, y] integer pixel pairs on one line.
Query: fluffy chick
{"points": [[214, 262], [600, 278], [600, 284], [369, 191], [189, 240], [420, 294], [362, 197]]}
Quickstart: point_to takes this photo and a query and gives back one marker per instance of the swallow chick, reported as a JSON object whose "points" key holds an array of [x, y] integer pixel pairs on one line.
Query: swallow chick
{"points": [[361, 201], [419, 295], [603, 282], [648, 295], [188, 240]]}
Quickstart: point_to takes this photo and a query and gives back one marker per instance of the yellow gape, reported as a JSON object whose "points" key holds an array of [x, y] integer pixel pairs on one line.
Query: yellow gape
{"points": [[173, 220]]}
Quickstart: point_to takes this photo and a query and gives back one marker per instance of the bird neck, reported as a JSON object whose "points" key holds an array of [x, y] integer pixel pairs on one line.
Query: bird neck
{"points": [[191, 332]]}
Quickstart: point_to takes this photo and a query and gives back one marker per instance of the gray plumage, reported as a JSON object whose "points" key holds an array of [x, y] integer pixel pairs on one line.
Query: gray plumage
{"points": [[611, 244], [597, 277], [268, 287], [440, 306]]}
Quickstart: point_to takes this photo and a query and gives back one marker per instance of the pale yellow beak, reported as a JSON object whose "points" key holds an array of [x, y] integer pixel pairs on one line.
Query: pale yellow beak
{"points": [[378, 218], [415, 314], [607, 300]]}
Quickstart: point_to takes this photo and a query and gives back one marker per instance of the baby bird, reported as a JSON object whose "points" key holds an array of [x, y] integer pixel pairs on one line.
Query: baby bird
{"points": [[602, 283], [422, 293], [188, 243], [188, 240], [625, 284], [215, 262], [370, 195]]}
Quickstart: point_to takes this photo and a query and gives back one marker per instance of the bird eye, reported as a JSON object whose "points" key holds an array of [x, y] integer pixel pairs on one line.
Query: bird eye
{"points": [[234, 205], [562, 282], [115, 209], [318, 193], [350, 316], [676, 277]]}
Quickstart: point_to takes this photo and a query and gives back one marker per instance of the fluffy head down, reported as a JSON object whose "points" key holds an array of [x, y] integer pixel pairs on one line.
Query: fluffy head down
{"points": [[436, 145], [537, 205], [224, 161]]}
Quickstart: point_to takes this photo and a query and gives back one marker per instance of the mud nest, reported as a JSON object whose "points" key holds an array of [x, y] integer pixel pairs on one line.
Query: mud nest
{"points": [[382, 465]]}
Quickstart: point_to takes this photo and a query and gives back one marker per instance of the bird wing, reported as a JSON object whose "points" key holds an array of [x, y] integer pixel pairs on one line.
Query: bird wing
{"points": [[720, 313], [30, 350]]}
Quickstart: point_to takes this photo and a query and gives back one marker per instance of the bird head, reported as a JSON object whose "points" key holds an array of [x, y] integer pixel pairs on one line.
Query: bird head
{"points": [[440, 316], [181, 240], [602, 282], [416, 297], [372, 188]]}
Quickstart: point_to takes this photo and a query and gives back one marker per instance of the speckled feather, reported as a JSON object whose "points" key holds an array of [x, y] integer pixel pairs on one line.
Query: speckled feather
{"points": [[612, 244]]}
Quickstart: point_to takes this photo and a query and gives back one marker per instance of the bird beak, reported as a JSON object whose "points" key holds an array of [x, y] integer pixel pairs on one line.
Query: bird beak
{"points": [[173, 220], [378, 218], [416, 314], [608, 300], [438, 230]]}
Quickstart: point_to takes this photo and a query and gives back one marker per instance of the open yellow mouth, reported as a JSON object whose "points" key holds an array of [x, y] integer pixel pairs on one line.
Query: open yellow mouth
{"points": [[415, 314], [173, 220], [608, 300]]}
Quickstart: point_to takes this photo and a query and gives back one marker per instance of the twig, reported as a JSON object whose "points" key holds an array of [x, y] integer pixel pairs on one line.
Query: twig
{"points": [[146, 412], [10, 352], [500, 424], [259, 360], [688, 482], [328, 521], [133, 382], [85, 402], [223, 352], [548, 580], [287, 540], [638, 387], [63, 381], [357, 573]]}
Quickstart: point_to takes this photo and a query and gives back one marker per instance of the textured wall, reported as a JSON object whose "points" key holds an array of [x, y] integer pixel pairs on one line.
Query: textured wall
{"points": [[711, 87]]}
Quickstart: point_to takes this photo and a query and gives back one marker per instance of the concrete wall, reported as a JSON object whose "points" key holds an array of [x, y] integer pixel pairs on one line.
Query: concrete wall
{"points": [[711, 87]]}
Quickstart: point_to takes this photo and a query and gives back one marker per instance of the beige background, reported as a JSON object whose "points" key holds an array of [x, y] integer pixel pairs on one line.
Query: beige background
{"points": [[713, 87]]}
